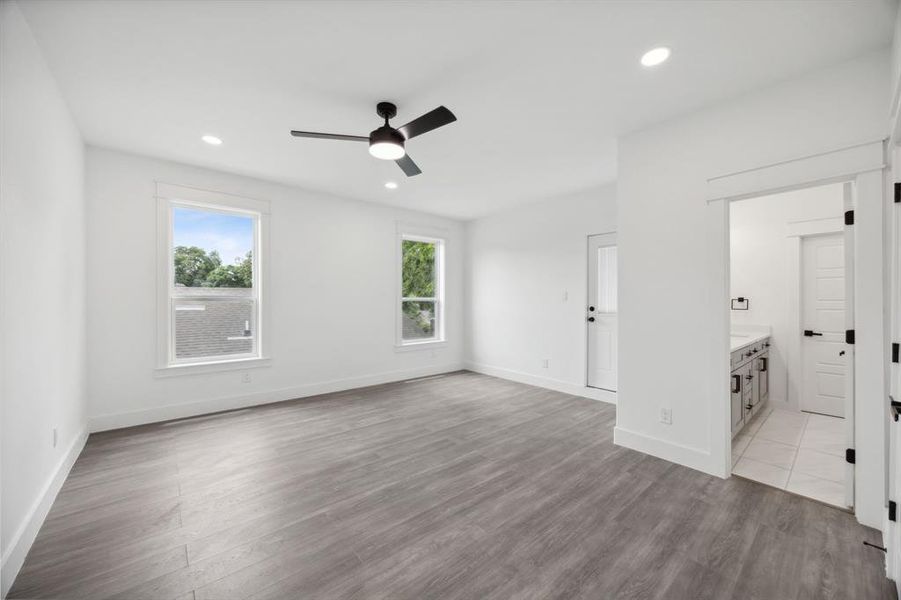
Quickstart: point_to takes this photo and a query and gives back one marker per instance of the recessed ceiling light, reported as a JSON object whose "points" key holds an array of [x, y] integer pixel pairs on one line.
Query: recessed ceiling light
{"points": [[654, 57], [391, 185], [212, 140]]}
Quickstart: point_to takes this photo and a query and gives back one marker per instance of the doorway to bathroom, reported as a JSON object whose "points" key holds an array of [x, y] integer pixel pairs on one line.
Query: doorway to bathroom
{"points": [[791, 303]]}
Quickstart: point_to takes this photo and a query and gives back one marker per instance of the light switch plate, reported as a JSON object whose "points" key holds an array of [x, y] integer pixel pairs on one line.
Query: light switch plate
{"points": [[666, 416]]}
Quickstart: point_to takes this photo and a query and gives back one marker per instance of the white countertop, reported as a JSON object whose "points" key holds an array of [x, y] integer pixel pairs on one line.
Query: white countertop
{"points": [[740, 340]]}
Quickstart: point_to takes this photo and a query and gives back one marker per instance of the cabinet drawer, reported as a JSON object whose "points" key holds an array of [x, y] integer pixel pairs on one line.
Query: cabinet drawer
{"points": [[741, 356]]}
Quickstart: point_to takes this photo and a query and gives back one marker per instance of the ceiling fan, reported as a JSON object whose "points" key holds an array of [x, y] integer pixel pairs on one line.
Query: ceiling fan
{"points": [[386, 142]]}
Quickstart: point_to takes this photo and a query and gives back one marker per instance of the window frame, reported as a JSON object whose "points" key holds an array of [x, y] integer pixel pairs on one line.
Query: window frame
{"points": [[169, 197], [439, 339]]}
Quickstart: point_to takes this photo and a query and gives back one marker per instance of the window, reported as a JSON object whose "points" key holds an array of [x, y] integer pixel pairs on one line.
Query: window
{"points": [[212, 276], [607, 279], [421, 310]]}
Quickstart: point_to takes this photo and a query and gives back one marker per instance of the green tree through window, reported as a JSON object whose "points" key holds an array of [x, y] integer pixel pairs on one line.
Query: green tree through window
{"points": [[418, 288], [418, 269], [194, 267]]}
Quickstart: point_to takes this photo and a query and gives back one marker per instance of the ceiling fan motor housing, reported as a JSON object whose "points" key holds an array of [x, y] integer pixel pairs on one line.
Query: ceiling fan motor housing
{"points": [[386, 134]]}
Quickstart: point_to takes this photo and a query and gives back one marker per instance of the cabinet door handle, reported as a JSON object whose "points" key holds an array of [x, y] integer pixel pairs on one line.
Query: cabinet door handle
{"points": [[736, 384], [763, 365]]}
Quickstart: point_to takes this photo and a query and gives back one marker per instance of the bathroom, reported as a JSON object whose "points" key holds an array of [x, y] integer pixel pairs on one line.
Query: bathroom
{"points": [[790, 357]]}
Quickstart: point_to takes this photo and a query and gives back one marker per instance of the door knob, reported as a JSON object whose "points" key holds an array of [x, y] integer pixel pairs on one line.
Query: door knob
{"points": [[591, 308], [591, 319], [811, 333]]}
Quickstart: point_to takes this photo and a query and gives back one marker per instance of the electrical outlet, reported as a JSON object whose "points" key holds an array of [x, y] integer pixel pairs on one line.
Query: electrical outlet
{"points": [[55, 436], [666, 416], [545, 362], [245, 378], [565, 295]]}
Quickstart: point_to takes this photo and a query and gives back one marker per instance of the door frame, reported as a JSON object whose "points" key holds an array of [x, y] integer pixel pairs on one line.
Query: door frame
{"points": [[587, 300], [797, 358], [865, 166]]}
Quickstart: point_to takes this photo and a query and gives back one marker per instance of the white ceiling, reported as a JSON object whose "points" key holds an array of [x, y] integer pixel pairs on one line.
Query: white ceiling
{"points": [[541, 89]]}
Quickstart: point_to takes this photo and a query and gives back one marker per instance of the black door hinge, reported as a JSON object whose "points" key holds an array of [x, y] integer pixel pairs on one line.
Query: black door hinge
{"points": [[850, 456], [895, 352], [898, 192], [892, 510], [849, 217], [849, 336]]}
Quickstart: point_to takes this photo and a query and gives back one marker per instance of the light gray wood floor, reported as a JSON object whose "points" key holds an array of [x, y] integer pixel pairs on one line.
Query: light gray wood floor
{"points": [[462, 486]]}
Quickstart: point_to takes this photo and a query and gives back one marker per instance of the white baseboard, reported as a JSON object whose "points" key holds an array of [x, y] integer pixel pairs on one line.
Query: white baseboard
{"points": [[20, 544], [557, 385], [203, 407], [693, 458]]}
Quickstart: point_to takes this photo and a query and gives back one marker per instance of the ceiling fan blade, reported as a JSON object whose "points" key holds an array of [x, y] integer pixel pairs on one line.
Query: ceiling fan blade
{"points": [[431, 120], [330, 136], [408, 166]]}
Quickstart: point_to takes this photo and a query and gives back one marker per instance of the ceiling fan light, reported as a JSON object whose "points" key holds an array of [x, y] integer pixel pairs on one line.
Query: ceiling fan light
{"points": [[386, 150], [386, 143]]}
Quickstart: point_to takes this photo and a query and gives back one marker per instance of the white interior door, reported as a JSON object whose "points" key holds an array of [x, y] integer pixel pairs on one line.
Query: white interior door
{"points": [[601, 311], [824, 358]]}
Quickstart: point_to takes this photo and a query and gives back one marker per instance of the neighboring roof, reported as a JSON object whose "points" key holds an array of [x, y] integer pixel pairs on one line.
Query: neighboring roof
{"points": [[213, 328]]}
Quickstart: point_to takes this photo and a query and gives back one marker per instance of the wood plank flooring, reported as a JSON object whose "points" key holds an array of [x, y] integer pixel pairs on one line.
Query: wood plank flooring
{"points": [[460, 486]]}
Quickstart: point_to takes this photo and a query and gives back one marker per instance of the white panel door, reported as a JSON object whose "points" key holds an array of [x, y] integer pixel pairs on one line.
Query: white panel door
{"points": [[824, 360], [601, 313]]}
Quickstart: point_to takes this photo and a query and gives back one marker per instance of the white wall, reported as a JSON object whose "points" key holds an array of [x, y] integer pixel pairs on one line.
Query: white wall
{"points": [[332, 295], [672, 248], [526, 288], [894, 87], [42, 290], [758, 230]]}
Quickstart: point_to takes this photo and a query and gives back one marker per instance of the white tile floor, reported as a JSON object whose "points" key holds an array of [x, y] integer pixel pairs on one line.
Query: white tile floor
{"points": [[794, 451]]}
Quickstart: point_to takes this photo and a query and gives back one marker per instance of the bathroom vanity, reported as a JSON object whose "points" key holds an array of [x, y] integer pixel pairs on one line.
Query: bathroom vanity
{"points": [[750, 376]]}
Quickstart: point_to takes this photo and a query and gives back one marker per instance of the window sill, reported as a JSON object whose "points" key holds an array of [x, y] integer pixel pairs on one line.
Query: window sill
{"points": [[212, 367], [414, 346]]}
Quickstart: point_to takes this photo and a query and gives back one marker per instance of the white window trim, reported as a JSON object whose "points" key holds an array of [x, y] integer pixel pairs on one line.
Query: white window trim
{"points": [[420, 234], [171, 195]]}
